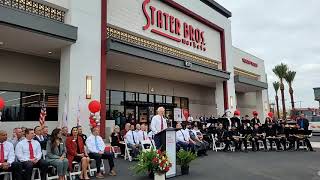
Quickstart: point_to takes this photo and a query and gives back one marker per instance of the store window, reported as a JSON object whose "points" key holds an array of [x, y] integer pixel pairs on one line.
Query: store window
{"points": [[159, 99], [184, 103], [177, 102], [168, 99], [116, 104], [26, 106], [130, 96], [143, 97], [151, 98]]}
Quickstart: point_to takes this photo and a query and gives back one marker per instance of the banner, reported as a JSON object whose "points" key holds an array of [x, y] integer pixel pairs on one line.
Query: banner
{"points": [[177, 114]]}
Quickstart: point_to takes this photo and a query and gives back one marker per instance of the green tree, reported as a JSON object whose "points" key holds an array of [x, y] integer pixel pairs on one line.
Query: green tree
{"points": [[289, 77], [276, 86], [281, 70]]}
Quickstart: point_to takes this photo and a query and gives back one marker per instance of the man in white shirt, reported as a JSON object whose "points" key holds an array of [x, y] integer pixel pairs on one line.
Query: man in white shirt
{"points": [[7, 157], [18, 137], [28, 152], [39, 137], [158, 124], [133, 142], [97, 152], [183, 138], [143, 134]]}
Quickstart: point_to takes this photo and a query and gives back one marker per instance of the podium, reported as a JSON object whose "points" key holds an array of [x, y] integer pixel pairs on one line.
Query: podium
{"points": [[168, 144]]}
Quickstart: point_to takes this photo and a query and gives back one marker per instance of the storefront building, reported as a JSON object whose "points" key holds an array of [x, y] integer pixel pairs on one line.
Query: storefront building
{"points": [[135, 56]]}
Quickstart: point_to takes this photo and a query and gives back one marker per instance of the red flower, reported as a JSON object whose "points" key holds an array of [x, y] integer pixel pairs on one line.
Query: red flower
{"points": [[166, 169], [159, 152], [162, 164], [155, 160]]}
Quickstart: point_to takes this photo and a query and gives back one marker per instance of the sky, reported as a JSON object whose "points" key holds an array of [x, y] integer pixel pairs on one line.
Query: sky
{"points": [[277, 31]]}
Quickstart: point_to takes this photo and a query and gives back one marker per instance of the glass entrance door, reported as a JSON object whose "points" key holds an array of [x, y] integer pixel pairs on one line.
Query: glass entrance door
{"points": [[143, 114]]}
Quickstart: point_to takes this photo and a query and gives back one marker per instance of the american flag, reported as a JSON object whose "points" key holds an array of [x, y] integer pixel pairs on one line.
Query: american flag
{"points": [[43, 114]]}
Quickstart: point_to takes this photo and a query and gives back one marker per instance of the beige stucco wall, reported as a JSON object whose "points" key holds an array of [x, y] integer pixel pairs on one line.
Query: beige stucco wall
{"points": [[27, 69], [201, 99]]}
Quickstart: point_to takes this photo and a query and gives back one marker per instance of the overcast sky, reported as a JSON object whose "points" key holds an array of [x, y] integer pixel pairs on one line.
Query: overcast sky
{"points": [[281, 31]]}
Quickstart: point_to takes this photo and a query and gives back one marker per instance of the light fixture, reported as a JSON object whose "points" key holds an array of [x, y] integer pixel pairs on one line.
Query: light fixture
{"points": [[49, 52], [151, 90], [231, 102], [88, 87], [1, 43]]}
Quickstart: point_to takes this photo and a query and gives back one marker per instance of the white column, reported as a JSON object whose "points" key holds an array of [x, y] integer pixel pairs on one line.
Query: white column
{"points": [[219, 98], [79, 60], [262, 104]]}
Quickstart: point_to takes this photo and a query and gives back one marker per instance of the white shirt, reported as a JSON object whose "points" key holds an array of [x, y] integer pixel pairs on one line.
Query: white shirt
{"points": [[156, 124], [183, 136], [9, 155], [94, 147], [150, 135], [23, 153], [132, 137], [142, 134]]}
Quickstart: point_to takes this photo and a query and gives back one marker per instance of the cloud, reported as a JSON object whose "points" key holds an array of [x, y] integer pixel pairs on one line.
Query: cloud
{"points": [[281, 31]]}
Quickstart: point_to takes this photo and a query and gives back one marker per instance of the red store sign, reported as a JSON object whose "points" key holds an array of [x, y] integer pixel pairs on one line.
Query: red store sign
{"points": [[249, 62], [172, 28]]}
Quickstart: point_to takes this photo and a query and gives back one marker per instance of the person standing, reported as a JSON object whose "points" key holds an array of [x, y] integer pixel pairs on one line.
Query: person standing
{"points": [[7, 157], [158, 124], [76, 152], [303, 124], [56, 153], [97, 152], [28, 152]]}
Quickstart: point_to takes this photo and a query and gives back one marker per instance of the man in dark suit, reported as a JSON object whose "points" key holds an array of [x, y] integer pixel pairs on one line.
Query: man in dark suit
{"points": [[303, 124], [40, 138]]}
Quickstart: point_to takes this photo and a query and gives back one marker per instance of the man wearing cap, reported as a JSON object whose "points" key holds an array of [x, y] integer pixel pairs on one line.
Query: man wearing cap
{"points": [[255, 119]]}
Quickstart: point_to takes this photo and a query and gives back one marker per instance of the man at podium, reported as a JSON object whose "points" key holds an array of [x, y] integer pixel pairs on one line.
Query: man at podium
{"points": [[158, 124]]}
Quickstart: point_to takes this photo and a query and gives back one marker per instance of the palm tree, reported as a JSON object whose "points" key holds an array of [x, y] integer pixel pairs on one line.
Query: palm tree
{"points": [[289, 77], [281, 71], [276, 86]]}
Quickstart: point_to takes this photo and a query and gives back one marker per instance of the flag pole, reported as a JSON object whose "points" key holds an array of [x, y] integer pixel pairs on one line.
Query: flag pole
{"points": [[43, 104]]}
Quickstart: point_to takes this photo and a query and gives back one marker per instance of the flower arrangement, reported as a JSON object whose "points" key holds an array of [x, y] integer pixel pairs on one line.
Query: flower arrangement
{"points": [[153, 161]]}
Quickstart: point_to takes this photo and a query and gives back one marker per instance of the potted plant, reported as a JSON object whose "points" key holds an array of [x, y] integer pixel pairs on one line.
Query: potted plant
{"points": [[184, 158], [154, 162]]}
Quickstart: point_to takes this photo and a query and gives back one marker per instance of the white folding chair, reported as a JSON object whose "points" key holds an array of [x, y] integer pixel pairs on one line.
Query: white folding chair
{"points": [[116, 154], [7, 175], [34, 172], [127, 152], [260, 144], [146, 143], [94, 170], [44, 155], [214, 145], [76, 170]]}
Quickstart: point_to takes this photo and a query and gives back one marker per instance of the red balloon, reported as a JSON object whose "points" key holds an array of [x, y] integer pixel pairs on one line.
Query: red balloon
{"points": [[186, 113], [237, 113], [94, 106], [92, 121], [94, 124], [270, 114], [1, 103]]}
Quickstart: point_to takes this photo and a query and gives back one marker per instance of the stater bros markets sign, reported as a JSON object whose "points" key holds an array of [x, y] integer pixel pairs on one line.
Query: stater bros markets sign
{"points": [[168, 26]]}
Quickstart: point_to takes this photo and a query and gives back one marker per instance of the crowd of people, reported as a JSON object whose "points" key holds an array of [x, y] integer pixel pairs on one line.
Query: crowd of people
{"points": [[35, 148]]}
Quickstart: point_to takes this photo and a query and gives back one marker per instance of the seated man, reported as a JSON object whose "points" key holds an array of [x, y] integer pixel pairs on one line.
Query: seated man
{"points": [[246, 132], [132, 139], [303, 125], [183, 139], [7, 158], [271, 133], [259, 135], [80, 133], [197, 137], [28, 152], [17, 137], [97, 152], [143, 135], [39, 137]]}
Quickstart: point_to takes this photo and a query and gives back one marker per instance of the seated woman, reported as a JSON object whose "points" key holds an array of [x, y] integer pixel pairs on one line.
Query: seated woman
{"points": [[56, 153], [76, 152], [116, 138]]}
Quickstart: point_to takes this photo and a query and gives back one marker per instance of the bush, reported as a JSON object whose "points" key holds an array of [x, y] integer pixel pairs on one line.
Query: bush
{"points": [[184, 158]]}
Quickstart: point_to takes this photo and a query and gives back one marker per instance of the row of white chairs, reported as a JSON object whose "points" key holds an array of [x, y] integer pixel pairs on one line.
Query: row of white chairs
{"points": [[145, 145], [76, 171]]}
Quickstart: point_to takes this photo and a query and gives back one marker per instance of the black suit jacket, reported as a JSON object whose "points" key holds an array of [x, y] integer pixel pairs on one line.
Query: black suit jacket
{"points": [[43, 143], [305, 124]]}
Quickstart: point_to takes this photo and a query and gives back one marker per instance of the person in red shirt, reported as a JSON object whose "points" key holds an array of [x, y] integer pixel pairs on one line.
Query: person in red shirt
{"points": [[76, 152]]}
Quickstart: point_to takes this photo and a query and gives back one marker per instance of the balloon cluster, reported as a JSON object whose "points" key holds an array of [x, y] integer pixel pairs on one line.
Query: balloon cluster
{"points": [[94, 107], [1, 106]]}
